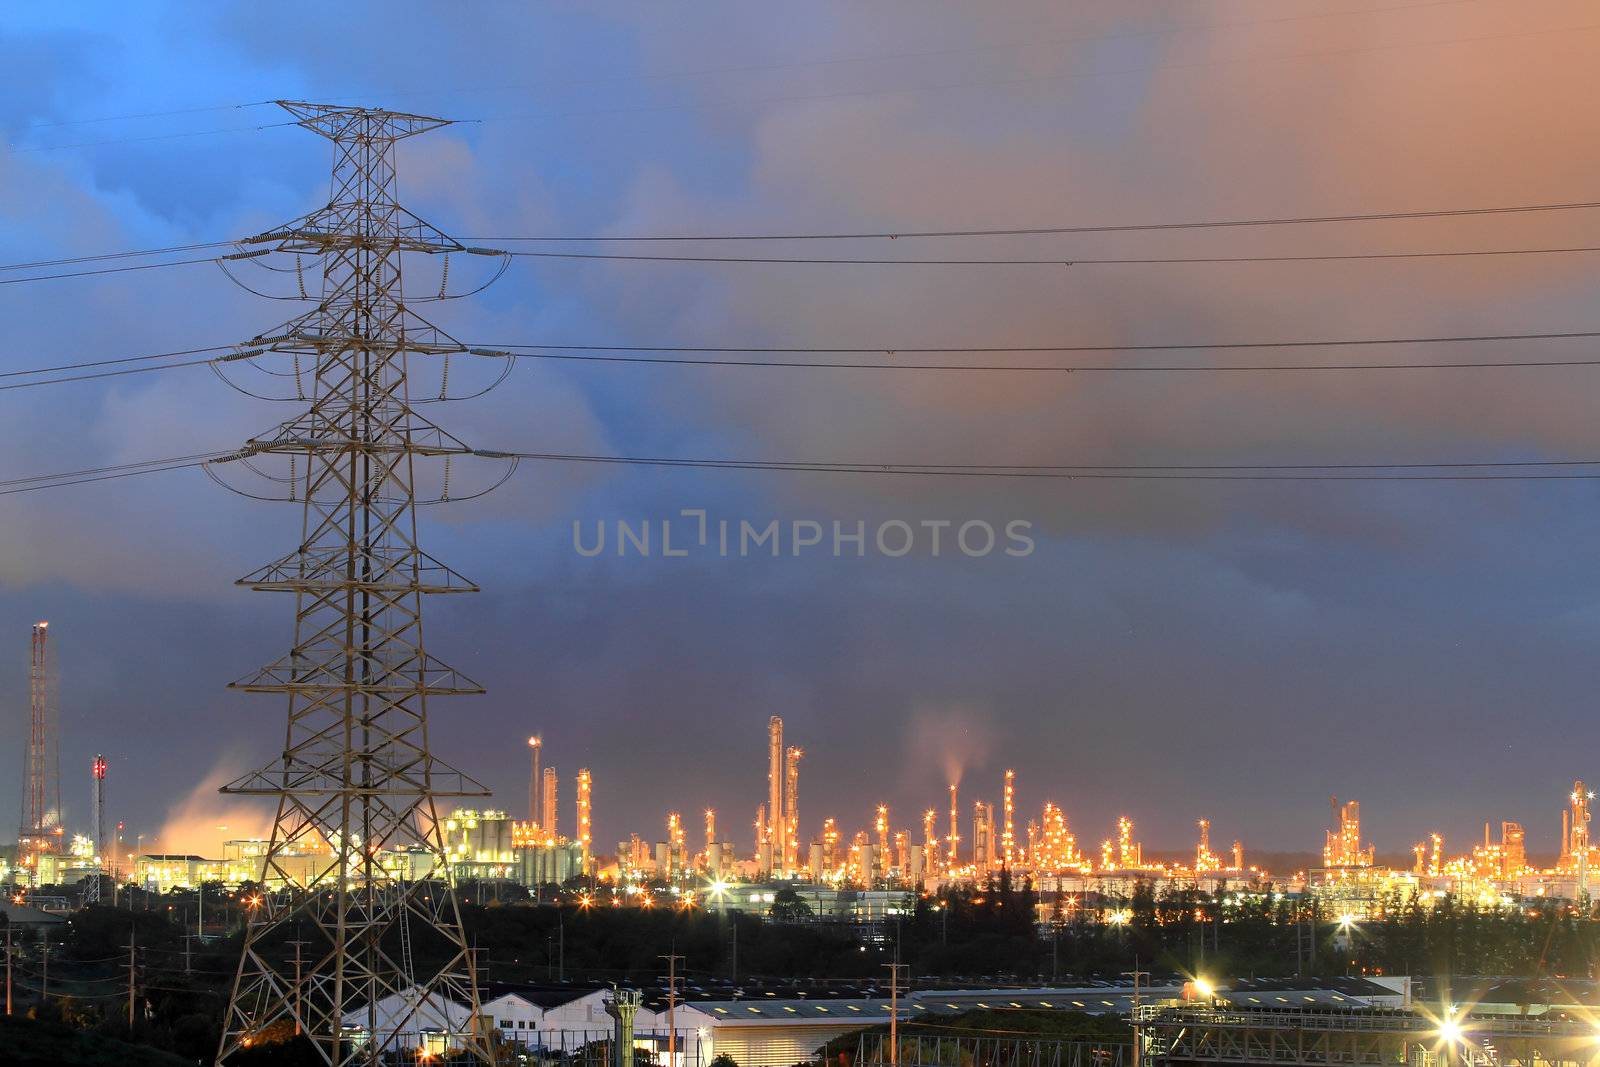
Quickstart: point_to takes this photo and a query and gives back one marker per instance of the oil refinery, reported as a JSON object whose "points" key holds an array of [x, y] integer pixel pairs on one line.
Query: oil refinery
{"points": [[877, 863]]}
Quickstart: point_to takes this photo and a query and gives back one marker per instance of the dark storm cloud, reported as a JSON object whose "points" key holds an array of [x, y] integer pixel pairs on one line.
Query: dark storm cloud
{"points": [[1170, 650]]}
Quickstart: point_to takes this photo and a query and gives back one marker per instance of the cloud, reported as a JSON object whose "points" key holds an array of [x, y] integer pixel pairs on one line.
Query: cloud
{"points": [[1189, 628]]}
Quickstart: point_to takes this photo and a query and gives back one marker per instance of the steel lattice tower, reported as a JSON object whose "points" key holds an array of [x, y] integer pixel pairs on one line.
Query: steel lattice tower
{"points": [[91, 885], [356, 779], [41, 797]]}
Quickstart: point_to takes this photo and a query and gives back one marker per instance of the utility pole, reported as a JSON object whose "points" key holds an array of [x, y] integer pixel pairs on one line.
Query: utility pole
{"points": [[1136, 974], [8, 968], [133, 970], [297, 943], [356, 771], [894, 1011], [672, 1007], [188, 967], [44, 952]]}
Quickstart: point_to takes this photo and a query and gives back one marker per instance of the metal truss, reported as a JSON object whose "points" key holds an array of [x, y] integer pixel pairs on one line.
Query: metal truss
{"points": [[1359, 1039], [356, 781]]}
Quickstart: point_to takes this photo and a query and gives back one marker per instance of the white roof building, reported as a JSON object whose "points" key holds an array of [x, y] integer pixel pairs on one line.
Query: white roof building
{"points": [[762, 1032], [431, 1023], [558, 1019]]}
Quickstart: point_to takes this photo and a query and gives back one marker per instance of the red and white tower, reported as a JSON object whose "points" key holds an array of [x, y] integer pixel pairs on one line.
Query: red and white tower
{"points": [[98, 768], [41, 798], [534, 783], [91, 885]]}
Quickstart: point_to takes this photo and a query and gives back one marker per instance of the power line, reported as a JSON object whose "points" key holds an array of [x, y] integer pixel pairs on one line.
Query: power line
{"points": [[1008, 261], [1063, 261], [1024, 231], [1059, 261], [1476, 471], [1241, 472], [117, 360], [151, 137], [68, 261], [107, 473], [1051, 368], [114, 467], [621, 355], [102, 478], [108, 374], [144, 115], [107, 270], [1021, 349]]}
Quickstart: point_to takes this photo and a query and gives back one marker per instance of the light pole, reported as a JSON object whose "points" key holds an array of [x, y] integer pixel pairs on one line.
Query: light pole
{"points": [[894, 1010], [1136, 974]]}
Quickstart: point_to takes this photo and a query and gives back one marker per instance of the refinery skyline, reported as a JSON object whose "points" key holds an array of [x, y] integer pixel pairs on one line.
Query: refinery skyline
{"points": [[999, 811]]}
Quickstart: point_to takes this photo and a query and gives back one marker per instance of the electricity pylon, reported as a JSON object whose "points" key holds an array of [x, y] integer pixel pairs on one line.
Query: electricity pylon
{"points": [[356, 785]]}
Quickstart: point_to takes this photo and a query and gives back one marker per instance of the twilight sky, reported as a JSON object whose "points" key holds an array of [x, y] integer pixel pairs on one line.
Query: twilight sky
{"points": [[1169, 650]]}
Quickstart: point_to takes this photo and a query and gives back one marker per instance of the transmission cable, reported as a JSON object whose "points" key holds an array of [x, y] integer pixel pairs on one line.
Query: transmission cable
{"points": [[1087, 368], [1060, 261], [115, 255], [1024, 231], [107, 473], [121, 359], [638, 354], [108, 270], [146, 115], [1072, 347], [108, 374], [1055, 472], [1008, 232], [151, 137]]}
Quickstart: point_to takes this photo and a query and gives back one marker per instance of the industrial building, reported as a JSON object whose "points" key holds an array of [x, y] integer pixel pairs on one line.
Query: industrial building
{"points": [[479, 845], [1210, 1027], [756, 1027]]}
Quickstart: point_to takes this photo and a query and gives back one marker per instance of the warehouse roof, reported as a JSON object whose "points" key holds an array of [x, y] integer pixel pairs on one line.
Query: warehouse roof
{"points": [[849, 1012], [1095, 999], [541, 996]]}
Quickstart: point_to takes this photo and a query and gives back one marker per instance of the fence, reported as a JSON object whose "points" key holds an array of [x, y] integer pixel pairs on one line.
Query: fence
{"points": [[921, 1050]]}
